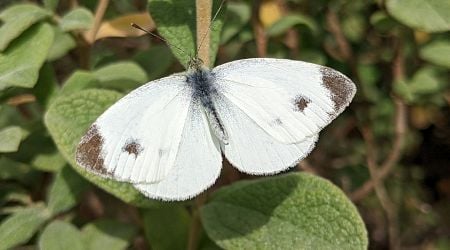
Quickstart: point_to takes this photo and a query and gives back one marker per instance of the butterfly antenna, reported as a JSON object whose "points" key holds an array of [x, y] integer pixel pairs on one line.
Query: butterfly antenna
{"points": [[210, 25], [159, 37]]}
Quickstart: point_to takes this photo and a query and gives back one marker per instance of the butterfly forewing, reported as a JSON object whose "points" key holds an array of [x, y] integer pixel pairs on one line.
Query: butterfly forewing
{"points": [[137, 139], [290, 100]]}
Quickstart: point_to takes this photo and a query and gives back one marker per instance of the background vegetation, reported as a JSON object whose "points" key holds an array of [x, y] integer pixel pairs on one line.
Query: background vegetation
{"points": [[62, 63]]}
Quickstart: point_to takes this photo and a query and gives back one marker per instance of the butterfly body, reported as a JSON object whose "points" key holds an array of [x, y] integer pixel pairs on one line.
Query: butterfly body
{"points": [[168, 136]]}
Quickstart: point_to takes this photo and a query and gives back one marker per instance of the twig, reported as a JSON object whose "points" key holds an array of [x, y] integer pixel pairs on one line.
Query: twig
{"points": [[99, 13], [258, 29], [400, 124], [195, 227], [203, 10]]}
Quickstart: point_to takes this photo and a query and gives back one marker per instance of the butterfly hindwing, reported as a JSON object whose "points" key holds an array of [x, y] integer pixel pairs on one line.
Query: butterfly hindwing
{"points": [[197, 165]]}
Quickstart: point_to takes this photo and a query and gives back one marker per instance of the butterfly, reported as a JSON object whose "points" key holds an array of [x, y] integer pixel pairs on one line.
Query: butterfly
{"points": [[168, 136]]}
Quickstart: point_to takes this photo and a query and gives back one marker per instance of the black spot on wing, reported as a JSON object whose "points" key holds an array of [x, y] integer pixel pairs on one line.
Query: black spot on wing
{"points": [[301, 102], [132, 146]]}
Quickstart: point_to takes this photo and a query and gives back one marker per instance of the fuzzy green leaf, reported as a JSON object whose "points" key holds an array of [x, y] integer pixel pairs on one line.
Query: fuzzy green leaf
{"points": [[60, 235], [167, 227], [176, 22], [107, 234], [65, 190], [50, 162], [292, 211], [78, 81], [17, 19], [10, 138], [20, 63], [10, 169], [427, 15], [69, 117], [62, 43], [290, 21], [77, 19], [121, 75], [19, 227], [437, 52]]}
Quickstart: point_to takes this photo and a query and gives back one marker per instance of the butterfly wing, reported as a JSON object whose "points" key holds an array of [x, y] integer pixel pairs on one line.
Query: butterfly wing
{"points": [[197, 166], [273, 110], [137, 139], [251, 150], [290, 100]]}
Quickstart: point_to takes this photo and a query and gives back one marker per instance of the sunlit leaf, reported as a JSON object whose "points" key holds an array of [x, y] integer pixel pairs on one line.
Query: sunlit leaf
{"points": [[60, 235], [121, 75], [20, 63], [289, 21], [107, 234], [120, 26], [428, 15], [437, 52], [292, 211], [16, 19], [10, 138], [77, 19]]}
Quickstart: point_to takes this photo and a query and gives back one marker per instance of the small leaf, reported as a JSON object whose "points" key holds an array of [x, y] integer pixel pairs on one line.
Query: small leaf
{"points": [[77, 19], [292, 211], [425, 81], [17, 19], [79, 80], [289, 21], [19, 227], [50, 162], [176, 22], [166, 227], [10, 169], [238, 15], [10, 138], [121, 75], [65, 190], [60, 235], [68, 118], [107, 234], [354, 27], [20, 63], [120, 26], [51, 4], [431, 16], [62, 44], [437, 52]]}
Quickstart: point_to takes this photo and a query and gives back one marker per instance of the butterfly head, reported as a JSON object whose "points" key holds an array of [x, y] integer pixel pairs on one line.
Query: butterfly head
{"points": [[195, 63]]}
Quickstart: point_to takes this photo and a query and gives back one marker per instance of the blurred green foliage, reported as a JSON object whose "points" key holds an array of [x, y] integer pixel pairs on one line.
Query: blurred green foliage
{"points": [[56, 78]]}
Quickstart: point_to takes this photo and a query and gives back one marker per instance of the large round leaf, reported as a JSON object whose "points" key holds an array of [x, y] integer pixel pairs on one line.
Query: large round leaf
{"points": [[293, 211]]}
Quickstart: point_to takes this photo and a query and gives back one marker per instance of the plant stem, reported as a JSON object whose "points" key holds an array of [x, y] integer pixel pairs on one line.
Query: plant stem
{"points": [[99, 13], [196, 225], [203, 12]]}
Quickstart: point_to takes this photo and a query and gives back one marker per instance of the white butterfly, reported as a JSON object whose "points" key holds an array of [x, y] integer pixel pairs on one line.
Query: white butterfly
{"points": [[167, 137]]}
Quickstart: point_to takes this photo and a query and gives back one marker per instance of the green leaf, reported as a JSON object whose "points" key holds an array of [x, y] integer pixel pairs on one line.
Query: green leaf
{"points": [[238, 15], [155, 68], [69, 117], [65, 190], [176, 22], [292, 211], [79, 80], [62, 44], [166, 227], [60, 235], [20, 63], [51, 4], [354, 27], [77, 19], [108, 234], [121, 75], [425, 81], [17, 19], [19, 227], [50, 162], [10, 138], [428, 15], [10, 169], [289, 21], [437, 52]]}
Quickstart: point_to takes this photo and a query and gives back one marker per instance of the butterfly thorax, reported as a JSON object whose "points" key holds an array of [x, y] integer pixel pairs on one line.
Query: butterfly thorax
{"points": [[201, 81]]}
